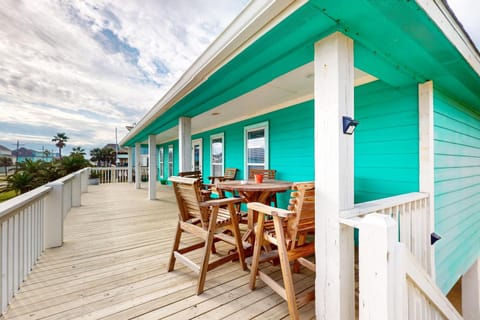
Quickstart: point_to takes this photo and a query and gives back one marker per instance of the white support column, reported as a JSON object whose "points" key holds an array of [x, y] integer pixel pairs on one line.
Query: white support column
{"points": [[84, 177], [152, 167], [130, 165], [426, 155], [76, 190], [138, 173], [471, 292], [377, 240], [185, 144], [334, 85], [54, 216]]}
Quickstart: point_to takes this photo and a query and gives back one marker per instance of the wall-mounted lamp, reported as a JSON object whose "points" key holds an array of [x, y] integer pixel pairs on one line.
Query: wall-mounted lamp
{"points": [[349, 125], [434, 238]]}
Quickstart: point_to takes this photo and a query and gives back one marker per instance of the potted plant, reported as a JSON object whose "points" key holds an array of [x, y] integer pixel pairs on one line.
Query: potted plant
{"points": [[164, 181], [93, 178]]}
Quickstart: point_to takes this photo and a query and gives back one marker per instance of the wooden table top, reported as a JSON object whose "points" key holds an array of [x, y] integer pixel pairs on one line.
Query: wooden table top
{"points": [[251, 186]]}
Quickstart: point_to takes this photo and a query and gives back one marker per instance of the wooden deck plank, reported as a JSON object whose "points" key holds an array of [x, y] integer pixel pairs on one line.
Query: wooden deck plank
{"points": [[113, 265]]}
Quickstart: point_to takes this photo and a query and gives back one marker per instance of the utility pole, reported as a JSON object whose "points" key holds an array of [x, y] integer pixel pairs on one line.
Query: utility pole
{"points": [[116, 147]]}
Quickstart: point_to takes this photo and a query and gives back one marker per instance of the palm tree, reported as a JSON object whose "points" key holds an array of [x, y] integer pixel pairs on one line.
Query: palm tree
{"points": [[78, 151], [60, 139], [6, 162]]}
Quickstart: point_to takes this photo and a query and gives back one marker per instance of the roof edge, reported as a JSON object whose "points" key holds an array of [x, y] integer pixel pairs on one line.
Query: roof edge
{"points": [[447, 22], [254, 20]]}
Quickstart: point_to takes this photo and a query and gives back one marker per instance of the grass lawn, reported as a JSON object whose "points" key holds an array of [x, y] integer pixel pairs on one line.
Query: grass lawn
{"points": [[4, 196]]}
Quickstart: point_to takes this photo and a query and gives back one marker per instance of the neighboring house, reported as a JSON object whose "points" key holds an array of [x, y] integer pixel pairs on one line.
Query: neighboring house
{"points": [[24, 153], [122, 154], [5, 152], [272, 92]]}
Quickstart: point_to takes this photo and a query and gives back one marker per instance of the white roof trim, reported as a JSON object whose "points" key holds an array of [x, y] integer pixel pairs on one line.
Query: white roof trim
{"points": [[443, 18], [256, 19]]}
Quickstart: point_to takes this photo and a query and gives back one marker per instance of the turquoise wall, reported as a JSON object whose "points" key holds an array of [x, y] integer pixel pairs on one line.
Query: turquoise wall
{"points": [[457, 189], [386, 141]]}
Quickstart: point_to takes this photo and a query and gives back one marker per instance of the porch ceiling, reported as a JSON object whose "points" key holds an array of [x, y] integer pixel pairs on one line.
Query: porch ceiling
{"points": [[290, 89], [396, 42]]}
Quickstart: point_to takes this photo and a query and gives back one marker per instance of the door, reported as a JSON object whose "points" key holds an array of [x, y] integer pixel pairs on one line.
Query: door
{"points": [[197, 155]]}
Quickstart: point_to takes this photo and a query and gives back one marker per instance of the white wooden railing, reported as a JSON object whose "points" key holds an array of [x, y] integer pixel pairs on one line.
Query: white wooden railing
{"points": [[412, 212], [32, 222], [392, 283], [115, 174]]}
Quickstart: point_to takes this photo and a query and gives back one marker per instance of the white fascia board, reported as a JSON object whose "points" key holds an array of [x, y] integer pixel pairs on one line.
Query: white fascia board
{"points": [[258, 17], [449, 25]]}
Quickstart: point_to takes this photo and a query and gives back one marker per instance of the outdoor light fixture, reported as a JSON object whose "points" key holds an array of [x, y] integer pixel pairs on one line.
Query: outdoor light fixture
{"points": [[349, 125], [434, 238]]}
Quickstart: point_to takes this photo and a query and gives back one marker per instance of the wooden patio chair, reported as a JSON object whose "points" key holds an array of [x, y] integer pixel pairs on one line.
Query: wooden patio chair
{"points": [[205, 188], [205, 220], [229, 174], [267, 174], [288, 232]]}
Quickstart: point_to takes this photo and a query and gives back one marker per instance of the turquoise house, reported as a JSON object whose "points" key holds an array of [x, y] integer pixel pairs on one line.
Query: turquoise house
{"points": [[272, 92]]}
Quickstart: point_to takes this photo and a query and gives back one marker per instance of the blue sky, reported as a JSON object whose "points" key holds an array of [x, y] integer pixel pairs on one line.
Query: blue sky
{"points": [[86, 67]]}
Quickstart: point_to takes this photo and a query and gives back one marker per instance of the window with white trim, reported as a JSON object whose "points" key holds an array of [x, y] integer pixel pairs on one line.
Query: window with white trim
{"points": [[161, 163], [256, 147], [217, 154], [170, 160]]}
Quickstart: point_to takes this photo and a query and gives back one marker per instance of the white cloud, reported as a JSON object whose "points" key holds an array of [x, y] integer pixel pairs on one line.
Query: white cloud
{"points": [[87, 67]]}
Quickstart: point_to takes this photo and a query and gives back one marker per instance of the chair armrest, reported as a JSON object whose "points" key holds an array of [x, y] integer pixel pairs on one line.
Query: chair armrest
{"points": [[220, 202], [272, 211]]}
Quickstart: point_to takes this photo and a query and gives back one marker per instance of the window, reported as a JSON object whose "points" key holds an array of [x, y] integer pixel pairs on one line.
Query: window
{"points": [[161, 163], [217, 151], [170, 160], [256, 147], [197, 154]]}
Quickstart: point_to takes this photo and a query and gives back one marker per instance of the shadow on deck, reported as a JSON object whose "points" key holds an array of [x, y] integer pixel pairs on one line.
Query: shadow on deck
{"points": [[113, 266]]}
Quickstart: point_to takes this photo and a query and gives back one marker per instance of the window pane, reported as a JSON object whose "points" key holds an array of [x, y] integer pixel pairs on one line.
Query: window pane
{"points": [[196, 157], [256, 146], [217, 149], [217, 170]]}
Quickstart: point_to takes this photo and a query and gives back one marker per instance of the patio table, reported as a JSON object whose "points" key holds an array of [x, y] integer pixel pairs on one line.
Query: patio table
{"points": [[254, 192]]}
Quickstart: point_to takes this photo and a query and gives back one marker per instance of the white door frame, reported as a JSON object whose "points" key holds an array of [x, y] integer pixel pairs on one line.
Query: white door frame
{"points": [[197, 142]]}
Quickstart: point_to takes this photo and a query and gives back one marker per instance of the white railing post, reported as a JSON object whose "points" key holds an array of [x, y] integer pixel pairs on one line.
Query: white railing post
{"points": [[471, 292], [76, 190], [84, 178], [54, 216], [377, 241]]}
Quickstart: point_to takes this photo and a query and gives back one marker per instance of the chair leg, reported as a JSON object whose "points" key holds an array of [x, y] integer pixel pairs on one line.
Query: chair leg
{"points": [[237, 235], [206, 255], [176, 244], [256, 252], [286, 271]]}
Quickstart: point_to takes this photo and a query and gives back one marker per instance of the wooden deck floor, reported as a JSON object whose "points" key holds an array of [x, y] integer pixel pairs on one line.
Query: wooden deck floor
{"points": [[113, 266]]}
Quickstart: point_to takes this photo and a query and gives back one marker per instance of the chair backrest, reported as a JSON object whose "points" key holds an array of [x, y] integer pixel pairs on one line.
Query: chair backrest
{"points": [[267, 173], [230, 174], [188, 194], [302, 202], [191, 174]]}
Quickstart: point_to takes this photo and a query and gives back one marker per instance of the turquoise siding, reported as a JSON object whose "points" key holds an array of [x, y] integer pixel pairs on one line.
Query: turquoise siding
{"points": [[457, 189], [386, 141]]}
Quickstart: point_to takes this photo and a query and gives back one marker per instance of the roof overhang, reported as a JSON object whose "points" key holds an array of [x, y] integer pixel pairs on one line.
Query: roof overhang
{"points": [[260, 62]]}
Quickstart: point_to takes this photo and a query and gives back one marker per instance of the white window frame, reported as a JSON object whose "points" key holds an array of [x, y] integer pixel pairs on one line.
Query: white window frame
{"points": [[198, 142], [161, 162], [170, 163], [212, 137], [254, 127]]}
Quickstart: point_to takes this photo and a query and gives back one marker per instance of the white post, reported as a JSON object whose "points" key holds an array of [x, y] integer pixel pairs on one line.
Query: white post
{"points": [[377, 240], [130, 165], [427, 181], [138, 173], [185, 144], [334, 85], [76, 190], [84, 179], [152, 167], [471, 292], [54, 216]]}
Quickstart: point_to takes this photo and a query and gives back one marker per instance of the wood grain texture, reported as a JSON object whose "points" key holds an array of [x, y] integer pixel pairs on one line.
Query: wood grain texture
{"points": [[113, 265]]}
